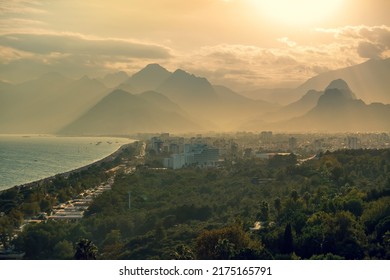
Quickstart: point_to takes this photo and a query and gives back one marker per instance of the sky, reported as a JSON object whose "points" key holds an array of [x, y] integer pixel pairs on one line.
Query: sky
{"points": [[244, 44]]}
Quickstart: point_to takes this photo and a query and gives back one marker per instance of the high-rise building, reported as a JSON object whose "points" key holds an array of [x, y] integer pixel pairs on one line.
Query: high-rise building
{"points": [[318, 145], [353, 142], [292, 143]]}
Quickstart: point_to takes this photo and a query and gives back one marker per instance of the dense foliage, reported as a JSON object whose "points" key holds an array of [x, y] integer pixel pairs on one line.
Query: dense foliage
{"points": [[334, 207]]}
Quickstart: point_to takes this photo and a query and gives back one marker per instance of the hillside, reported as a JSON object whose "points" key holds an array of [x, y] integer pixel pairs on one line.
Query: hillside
{"points": [[122, 113]]}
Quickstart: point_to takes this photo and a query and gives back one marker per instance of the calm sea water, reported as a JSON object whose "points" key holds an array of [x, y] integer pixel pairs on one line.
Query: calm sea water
{"points": [[25, 159]]}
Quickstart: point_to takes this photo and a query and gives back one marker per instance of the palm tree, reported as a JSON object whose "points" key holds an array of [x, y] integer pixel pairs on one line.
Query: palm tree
{"points": [[85, 250]]}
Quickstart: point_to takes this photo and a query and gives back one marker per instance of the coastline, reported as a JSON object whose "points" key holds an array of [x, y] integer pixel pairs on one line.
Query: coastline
{"points": [[65, 174]]}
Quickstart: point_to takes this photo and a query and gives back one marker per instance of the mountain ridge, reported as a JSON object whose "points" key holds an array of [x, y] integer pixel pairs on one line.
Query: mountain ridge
{"points": [[121, 112]]}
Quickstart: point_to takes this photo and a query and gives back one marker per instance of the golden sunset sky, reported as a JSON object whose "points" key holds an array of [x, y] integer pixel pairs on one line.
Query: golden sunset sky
{"points": [[244, 44]]}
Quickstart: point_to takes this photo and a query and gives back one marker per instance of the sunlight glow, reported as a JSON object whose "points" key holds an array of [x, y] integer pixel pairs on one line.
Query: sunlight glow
{"points": [[298, 12]]}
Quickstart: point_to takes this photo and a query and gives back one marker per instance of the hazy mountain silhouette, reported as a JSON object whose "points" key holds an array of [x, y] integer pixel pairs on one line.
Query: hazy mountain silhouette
{"points": [[149, 78], [341, 87], [309, 101], [297, 108], [121, 113], [369, 81], [177, 101], [337, 110], [187, 89], [113, 80], [234, 108], [47, 103]]}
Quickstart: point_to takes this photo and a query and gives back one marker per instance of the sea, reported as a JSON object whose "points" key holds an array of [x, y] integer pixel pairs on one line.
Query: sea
{"points": [[28, 158]]}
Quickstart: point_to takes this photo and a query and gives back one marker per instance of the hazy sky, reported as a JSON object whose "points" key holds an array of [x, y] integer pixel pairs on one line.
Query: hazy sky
{"points": [[240, 43]]}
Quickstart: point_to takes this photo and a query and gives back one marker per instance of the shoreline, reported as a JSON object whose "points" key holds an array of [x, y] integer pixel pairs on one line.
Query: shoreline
{"points": [[65, 174]]}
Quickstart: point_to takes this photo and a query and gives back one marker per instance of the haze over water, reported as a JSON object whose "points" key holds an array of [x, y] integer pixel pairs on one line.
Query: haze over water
{"points": [[25, 159]]}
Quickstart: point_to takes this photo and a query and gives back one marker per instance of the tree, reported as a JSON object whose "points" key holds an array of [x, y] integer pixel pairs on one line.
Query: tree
{"points": [[225, 250], [288, 242], [277, 205], [264, 211], [219, 243], [306, 198], [294, 195], [182, 252], [355, 206], [85, 250], [386, 244], [63, 250], [6, 231]]}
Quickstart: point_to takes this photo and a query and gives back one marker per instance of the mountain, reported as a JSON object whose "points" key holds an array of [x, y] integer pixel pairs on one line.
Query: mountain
{"points": [[370, 81], [177, 101], [297, 108], [309, 101], [234, 109], [187, 89], [338, 110], [149, 78], [122, 113], [22, 106], [113, 80], [214, 106], [47, 103], [341, 86]]}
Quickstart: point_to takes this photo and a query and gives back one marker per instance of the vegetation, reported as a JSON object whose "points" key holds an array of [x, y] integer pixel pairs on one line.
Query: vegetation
{"points": [[333, 207]]}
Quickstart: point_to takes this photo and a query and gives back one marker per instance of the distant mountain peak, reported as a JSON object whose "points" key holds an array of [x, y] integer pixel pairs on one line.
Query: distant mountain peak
{"points": [[341, 87], [181, 72], [152, 68], [151, 71], [339, 84], [119, 92], [148, 78]]}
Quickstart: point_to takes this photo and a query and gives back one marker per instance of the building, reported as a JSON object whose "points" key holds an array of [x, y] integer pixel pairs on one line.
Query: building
{"points": [[318, 145], [156, 145], [266, 135], [352, 143], [194, 154], [292, 144]]}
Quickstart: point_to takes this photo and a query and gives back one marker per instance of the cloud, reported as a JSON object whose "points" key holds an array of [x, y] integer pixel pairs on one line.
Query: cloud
{"points": [[79, 44], [13, 7], [244, 67], [369, 41], [287, 41], [369, 50], [24, 56]]}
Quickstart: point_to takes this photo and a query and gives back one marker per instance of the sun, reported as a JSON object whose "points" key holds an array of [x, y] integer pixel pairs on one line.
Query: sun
{"points": [[298, 12]]}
